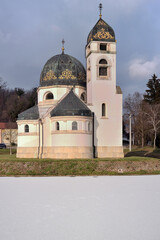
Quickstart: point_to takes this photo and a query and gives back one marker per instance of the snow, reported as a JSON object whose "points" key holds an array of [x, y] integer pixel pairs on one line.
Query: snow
{"points": [[80, 208]]}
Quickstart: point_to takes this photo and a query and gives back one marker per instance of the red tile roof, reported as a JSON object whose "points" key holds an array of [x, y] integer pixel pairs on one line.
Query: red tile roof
{"points": [[8, 125]]}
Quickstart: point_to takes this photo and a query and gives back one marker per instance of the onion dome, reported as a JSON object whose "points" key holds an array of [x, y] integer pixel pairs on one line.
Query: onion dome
{"points": [[63, 69], [101, 32]]}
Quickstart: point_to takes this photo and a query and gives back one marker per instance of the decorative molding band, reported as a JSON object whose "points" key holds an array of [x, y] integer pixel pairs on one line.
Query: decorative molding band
{"points": [[28, 134], [20, 122], [70, 118], [47, 102], [71, 132], [59, 86], [98, 51]]}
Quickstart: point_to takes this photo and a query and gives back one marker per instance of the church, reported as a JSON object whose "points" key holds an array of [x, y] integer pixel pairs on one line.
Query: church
{"points": [[79, 111]]}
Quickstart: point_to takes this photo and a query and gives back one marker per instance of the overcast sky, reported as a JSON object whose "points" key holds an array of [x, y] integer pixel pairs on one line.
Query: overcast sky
{"points": [[31, 32]]}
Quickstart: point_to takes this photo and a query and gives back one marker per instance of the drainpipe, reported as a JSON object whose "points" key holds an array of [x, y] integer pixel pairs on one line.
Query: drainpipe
{"points": [[130, 132], [39, 147], [42, 140], [93, 146]]}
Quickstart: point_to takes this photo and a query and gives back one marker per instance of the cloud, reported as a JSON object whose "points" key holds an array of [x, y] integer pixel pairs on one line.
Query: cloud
{"points": [[55, 28], [4, 37], [126, 7], [142, 68], [130, 4]]}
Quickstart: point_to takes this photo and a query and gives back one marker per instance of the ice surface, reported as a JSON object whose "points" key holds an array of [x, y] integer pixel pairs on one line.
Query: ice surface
{"points": [[80, 208]]}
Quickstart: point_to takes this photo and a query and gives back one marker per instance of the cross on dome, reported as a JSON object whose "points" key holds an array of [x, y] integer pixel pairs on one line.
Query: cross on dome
{"points": [[100, 10], [63, 42]]}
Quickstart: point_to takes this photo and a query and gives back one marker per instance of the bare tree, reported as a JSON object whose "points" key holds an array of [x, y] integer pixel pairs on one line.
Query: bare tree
{"points": [[152, 113], [141, 124], [134, 105], [2, 84]]}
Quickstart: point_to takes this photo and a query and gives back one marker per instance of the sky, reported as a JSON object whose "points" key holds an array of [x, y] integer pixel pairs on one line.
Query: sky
{"points": [[31, 32]]}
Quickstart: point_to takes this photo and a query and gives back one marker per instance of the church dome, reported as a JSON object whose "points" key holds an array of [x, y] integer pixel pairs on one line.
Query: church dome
{"points": [[63, 69], [101, 32]]}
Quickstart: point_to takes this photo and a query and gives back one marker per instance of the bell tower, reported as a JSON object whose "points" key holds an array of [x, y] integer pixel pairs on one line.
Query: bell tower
{"points": [[103, 96]]}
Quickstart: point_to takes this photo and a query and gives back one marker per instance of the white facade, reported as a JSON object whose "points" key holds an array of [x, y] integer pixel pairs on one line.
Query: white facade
{"points": [[94, 127], [101, 90]]}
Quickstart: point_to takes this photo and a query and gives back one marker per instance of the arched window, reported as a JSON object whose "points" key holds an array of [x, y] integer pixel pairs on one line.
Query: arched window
{"points": [[103, 109], [57, 126], [49, 96], [89, 127], [83, 97], [26, 128], [103, 61], [74, 126], [103, 67]]}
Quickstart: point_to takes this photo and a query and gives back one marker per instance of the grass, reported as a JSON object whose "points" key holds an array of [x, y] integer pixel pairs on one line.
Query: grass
{"points": [[138, 162], [135, 155], [143, 152]]}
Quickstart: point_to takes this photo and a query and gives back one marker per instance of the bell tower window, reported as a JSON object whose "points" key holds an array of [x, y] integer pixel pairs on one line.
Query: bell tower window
{"points": [[103, 47], [102, 71], [103, 67]]}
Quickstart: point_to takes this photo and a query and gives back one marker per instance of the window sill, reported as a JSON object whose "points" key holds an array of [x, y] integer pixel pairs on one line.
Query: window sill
{"points": [[103, 78], [104, 117]]}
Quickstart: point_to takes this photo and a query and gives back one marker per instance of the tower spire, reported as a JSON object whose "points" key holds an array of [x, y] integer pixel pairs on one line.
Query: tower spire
{"points": [[100, 10], [63, 42]]}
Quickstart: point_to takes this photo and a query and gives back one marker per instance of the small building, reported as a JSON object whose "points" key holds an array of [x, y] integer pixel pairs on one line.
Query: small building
{"points": [[79, 112], [8, 133]]}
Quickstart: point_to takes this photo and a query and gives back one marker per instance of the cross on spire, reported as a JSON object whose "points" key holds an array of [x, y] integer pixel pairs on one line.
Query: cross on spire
{"points": [[63, 42], [100, 10]]}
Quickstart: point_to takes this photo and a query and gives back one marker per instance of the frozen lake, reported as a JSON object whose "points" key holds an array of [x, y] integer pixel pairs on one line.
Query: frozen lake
{"points": [[80, 208]]}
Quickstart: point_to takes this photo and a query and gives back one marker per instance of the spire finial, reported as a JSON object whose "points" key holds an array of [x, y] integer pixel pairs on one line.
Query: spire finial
{"points": [[63, 42], [100, 10]]}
